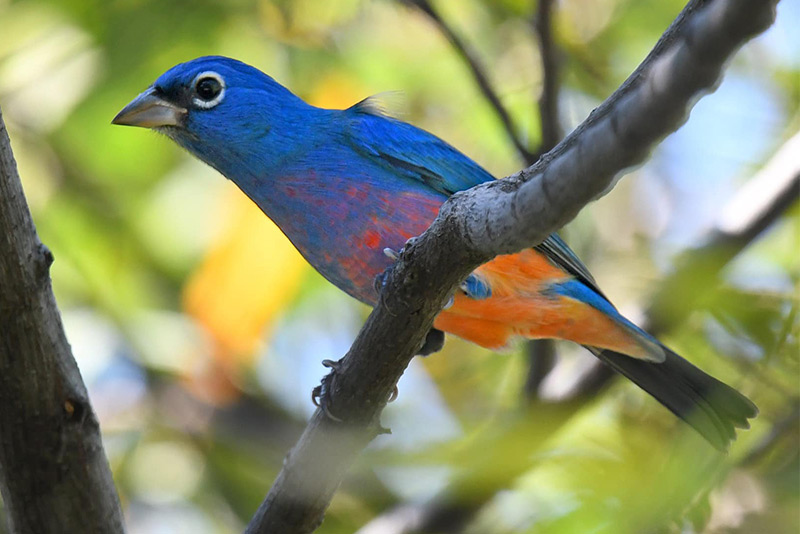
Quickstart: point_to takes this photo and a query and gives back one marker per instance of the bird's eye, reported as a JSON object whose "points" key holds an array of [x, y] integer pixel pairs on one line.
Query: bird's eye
{"points": [[209, 89]]}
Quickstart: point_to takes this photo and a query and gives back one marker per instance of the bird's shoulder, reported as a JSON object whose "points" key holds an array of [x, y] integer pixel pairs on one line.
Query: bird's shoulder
{"points": [[409, 151]]}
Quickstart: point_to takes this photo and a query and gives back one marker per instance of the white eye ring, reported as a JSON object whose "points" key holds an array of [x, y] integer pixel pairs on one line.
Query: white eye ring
{"points": [[208, 104]]}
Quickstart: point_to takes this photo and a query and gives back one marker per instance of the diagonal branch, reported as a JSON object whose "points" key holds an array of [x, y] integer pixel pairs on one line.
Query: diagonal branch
{"points": [[479, 73], [778, 185], [54, 476], [756, 206], [497, 218]]}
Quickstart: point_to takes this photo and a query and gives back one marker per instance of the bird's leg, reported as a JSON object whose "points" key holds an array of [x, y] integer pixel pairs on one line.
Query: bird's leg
{"points": [[319, 395]]}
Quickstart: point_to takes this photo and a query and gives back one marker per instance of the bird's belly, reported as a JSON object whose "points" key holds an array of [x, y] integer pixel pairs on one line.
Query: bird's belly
{"points": [[342, 227]]}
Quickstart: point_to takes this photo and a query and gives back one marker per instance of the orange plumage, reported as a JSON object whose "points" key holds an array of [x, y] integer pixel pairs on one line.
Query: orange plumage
{"points": [[521, 306]]}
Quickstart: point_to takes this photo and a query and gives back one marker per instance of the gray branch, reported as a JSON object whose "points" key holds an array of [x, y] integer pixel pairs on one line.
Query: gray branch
{"points": [[777, 186], [758, 205], [496, 218], [54, 476]]}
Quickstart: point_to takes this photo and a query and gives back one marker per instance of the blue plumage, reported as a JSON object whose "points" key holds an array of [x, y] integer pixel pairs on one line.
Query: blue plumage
{"points": [[344, 185]]}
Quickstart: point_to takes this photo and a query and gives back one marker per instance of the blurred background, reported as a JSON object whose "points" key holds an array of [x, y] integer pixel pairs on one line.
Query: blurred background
{"points": [[199, 330]]}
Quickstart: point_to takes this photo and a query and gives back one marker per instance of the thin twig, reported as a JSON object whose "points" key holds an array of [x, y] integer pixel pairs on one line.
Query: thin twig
{"points": [[541, 352], [479, 73], [780, 428], [548, 99]]}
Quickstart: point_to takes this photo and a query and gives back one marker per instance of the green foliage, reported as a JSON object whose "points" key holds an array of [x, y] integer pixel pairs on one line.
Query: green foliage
{"points": [[197, 427]]}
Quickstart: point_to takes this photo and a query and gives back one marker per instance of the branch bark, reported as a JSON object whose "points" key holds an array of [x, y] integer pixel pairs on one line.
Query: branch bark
{"points": [[497, 218], [54, 476], [782, 183]]}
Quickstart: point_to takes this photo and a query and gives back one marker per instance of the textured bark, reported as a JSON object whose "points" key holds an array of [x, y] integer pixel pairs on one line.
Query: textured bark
{"points": [[782, 185], [54, 476], [500, 217]]}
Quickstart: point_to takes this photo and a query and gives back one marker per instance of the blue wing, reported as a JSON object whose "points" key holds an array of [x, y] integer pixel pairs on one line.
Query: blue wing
{"points": [[419, 155], [411, 152]]}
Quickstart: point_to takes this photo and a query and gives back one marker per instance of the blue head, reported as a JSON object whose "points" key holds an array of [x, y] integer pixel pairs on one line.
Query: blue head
{"points": [[229, 114]]}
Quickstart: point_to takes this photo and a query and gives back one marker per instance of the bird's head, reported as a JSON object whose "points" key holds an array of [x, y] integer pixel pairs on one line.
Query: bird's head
{"points": [[220, 109]]}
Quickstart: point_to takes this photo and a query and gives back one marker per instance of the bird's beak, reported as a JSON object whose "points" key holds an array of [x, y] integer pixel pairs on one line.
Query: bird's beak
{"points": [[148, 110]]}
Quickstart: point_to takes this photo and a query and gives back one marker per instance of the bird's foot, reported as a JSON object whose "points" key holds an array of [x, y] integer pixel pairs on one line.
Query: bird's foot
{"points": [[379, 284], [434, 342], [320, 394]]}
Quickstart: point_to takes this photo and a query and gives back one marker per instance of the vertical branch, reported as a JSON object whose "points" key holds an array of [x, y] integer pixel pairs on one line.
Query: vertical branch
{"points": [[541, 352], [542, 358], [548, 99], [54, 476], [479, 73]]}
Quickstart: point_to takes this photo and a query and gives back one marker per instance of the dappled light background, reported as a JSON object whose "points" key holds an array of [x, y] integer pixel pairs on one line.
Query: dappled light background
{"points": [[199, 330]]}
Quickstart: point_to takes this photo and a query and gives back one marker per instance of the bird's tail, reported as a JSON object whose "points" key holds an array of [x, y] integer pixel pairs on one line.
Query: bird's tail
{"points": [[714, 409]]}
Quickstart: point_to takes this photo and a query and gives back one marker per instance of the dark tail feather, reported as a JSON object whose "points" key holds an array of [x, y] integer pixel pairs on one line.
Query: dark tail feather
{"points": [[714, 409]]}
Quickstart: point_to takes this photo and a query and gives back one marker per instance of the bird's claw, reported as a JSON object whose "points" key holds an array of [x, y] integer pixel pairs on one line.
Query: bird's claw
{"points": [[319, 395], [449, 303], [380, 279], [395, 254]]}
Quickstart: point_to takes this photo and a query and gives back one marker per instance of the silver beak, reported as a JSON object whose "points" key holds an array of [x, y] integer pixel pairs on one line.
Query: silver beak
{"points": [[150, 111]]}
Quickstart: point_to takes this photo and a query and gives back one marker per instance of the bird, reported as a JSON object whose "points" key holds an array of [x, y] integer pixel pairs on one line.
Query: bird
{"points": [[349, 187]]}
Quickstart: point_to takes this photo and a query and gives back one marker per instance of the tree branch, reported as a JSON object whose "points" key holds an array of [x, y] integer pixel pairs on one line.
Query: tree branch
{"points": [[541, 352], [548, 100], [778, 185], [497, 218], [755, 207], [54, 476], [479, 73]]}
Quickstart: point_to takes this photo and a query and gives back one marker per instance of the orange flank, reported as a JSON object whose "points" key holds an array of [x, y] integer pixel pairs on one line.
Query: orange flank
{"points": [[522, 306]]}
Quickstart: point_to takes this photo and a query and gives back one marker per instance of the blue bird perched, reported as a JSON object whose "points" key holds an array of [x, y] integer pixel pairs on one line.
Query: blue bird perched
{"points": [[346, 186]]}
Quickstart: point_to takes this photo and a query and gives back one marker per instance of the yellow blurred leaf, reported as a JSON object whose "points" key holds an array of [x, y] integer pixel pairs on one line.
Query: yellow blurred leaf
{"points": [[336, 90], [248, 276]]}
